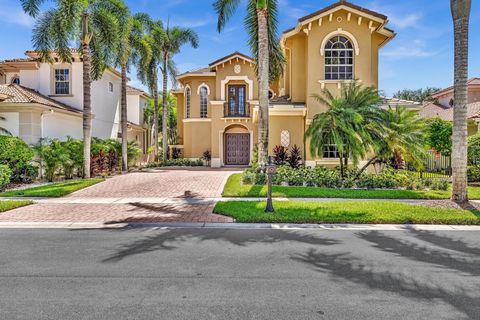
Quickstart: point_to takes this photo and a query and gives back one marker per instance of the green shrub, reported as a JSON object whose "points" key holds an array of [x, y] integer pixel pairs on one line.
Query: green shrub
{"points": [[17, 155], [5, 173], [474, 173], [439, 184], [474, 149], [176, 163]]}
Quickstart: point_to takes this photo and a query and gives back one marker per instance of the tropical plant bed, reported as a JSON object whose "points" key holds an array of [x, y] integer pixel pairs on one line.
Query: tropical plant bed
{"points": [[235, 188], [10, 205], [54, 190], [375, 212]]}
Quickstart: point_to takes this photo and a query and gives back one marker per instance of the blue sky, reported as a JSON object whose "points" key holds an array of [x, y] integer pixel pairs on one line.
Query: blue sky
{"points": [[421, 55]]}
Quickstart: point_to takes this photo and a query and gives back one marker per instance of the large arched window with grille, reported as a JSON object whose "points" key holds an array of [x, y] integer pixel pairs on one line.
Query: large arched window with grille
{"points": [[203, 102], [339, 59], [188, 99]]}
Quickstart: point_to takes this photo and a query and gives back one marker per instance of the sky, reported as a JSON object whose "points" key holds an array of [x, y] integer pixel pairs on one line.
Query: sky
{"points": [[420, 56]]}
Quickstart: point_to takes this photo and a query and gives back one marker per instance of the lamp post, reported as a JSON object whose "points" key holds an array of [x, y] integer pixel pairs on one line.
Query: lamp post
{"points": [[271, 170]]}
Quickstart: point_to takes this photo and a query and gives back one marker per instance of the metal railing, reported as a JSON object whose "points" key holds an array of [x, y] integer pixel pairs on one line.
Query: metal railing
{"points": [[237, 112]]}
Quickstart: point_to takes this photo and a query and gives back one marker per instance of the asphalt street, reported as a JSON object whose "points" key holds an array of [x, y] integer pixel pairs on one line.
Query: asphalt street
{"points": [[238, 274]]}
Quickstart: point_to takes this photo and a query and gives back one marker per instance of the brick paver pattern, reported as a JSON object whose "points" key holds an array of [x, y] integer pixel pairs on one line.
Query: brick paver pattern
{"points": [[179, 184]]}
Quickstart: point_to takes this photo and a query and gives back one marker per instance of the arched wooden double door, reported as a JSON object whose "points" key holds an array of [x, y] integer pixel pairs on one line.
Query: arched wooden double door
{"points": [[237, 149]]}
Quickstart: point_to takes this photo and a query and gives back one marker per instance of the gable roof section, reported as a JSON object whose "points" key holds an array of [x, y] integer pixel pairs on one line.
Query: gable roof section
{"points": [[16, 94], [347, 4], [230, 57], [200, 72], [435, 110], [472, 83], [344, 5], [136, 91]]}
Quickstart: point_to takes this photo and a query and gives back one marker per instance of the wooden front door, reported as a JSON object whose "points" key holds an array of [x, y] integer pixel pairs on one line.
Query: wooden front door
{"points": [[237, 149]]}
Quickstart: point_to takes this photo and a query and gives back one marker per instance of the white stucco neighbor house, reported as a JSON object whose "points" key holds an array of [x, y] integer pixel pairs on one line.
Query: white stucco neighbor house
{"points": [[43, 100]]}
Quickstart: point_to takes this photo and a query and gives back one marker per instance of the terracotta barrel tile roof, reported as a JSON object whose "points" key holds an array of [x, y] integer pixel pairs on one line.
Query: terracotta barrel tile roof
{"points": [[14, 93]]}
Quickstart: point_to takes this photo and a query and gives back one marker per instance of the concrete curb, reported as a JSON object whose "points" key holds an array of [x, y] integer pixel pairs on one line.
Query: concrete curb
{"points": [[235, 226]]}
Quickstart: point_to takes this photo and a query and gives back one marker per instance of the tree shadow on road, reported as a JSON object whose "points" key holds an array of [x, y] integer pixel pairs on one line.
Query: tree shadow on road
{"points": [[345, 268], [422, 253], [445, 242], [169, 239]]}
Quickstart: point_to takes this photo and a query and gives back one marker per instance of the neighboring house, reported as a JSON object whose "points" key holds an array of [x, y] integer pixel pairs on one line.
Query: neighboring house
{"points": [[218, 105], [137, 101], [442, 106], [43, 100]]}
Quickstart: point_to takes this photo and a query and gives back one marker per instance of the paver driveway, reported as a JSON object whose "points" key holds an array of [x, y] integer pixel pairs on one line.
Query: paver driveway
{"points": [[152, 196]]}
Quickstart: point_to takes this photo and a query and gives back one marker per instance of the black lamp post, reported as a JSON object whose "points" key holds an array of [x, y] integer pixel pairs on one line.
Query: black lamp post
{"points": [[271, 170]]}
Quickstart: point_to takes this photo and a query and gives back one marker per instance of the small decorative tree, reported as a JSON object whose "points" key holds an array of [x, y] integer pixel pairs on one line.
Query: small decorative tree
{"points": [[280, 155], [295, 158], [207, 157]]}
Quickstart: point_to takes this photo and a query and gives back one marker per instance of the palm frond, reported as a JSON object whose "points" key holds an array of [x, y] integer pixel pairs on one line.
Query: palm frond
{"points": [[225, 10]]}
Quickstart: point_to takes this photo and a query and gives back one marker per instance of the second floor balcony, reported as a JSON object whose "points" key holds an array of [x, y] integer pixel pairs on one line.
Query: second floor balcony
{"points": [[236, 110]]}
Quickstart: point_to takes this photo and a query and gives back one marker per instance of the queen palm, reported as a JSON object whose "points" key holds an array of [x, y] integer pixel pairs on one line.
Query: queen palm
{"points": [[148, 69], [133, 46], [398, 138], [87, 22], [461, 16], [261, 23], [174, 39]]}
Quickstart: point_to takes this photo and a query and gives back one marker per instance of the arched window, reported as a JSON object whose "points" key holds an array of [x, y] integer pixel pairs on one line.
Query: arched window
{"points": [[203, 102], [339, 59], [188, 97], [16, 80]]}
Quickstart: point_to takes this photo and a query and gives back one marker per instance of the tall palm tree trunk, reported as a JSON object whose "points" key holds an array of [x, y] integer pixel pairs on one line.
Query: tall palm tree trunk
{"points": [[87, 102], [461, 15], [263, 79], [124, 120], [155, 119], [165, 108]]}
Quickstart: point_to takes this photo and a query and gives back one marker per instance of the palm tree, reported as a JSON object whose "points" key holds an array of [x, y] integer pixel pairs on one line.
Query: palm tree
{"points": [[172, 117], [95, 27], [461, 16], [148, 70], [399, 138], [174, 39], [3, 131], [133, 45], [349, 124], [261, 23]]}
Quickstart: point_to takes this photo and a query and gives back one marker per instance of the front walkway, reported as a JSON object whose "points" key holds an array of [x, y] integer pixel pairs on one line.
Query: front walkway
{"points": [[152, 196]]}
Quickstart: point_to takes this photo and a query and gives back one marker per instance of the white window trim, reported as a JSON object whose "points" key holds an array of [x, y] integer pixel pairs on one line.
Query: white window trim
{"points": [[203, 85], [52, 80], [240, 78], [342, 32], [187, 87]]}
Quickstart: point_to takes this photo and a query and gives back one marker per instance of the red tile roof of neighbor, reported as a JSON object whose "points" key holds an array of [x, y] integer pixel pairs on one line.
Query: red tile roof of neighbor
{"points": [[471, 82], [435, 110], [16, 94]]}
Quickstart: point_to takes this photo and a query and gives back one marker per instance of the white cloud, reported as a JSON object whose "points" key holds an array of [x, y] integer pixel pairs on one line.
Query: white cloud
{"points": [[404, 22], [193, 23], [291, 11], [14, 15], [411, 49]]}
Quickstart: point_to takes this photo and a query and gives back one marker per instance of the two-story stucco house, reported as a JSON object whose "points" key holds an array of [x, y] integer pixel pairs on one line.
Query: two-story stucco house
{"points": [[218, 105], [43, 100]]}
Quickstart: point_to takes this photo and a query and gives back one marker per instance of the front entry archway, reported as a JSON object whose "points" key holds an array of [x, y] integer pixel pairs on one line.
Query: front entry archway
{"points": [[236, 146]]}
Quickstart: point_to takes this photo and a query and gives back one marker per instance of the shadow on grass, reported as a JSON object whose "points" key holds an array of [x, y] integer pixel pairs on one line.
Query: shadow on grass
{"points": [[170, 239]]}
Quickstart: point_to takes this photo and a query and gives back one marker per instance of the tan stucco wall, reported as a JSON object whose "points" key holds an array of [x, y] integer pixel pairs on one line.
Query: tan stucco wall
{"points": [[294, 125], [197, 139], [472, 128]]}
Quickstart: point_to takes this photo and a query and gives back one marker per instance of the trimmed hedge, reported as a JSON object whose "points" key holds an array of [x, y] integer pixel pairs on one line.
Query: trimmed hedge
{"points": [[322, 177], [176, 163]]}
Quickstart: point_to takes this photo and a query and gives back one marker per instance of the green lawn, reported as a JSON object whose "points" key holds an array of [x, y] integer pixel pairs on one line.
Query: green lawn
{"points": [[344, 212], [54, 190], [234, 188], [9, 205]]}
